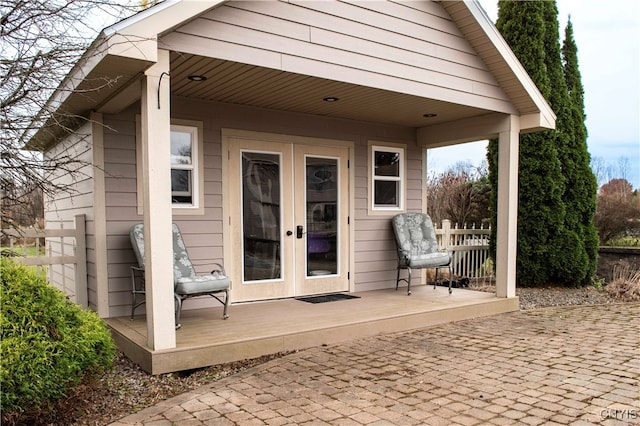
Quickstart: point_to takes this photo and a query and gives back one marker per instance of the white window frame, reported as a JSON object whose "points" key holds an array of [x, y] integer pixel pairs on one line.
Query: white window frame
{"points": [[194, 128], [191, 167], [401, 178]]}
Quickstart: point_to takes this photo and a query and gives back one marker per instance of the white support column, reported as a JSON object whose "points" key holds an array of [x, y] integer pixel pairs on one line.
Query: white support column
{"points": [[100, 216], [507, 224], [156, 173]]}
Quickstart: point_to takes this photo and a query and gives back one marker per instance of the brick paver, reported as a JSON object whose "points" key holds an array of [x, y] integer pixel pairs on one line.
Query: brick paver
{"points": [[563, 365]]}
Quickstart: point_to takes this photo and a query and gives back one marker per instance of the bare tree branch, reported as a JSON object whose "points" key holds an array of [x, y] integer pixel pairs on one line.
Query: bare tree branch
{"points": [[40, 42]]}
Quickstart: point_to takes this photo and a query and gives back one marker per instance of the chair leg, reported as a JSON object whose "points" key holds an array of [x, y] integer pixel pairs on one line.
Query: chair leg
{"points": [[435, 280], [226, 304], [450, 277], [133, 304], [135, 292], [408, 280], [178, 310]]}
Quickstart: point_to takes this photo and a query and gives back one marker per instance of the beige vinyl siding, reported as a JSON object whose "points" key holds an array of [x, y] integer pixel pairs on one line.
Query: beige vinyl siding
{"points": [[205, 244], [202, 233], [374, 245], [120, 203], [62, 207], [411, 47], [373, 250]]}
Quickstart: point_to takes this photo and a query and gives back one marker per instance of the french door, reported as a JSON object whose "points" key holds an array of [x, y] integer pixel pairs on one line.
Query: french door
{"points": [[289, 219]]}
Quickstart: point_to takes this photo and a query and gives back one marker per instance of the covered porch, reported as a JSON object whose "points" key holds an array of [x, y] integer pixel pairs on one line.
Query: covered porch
{"points": [[256, 329], [285, 75]]}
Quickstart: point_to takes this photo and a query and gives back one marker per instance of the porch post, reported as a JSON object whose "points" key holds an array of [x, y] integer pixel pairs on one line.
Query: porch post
{"points": [[507, 223], [156, 173], [100, 216]]}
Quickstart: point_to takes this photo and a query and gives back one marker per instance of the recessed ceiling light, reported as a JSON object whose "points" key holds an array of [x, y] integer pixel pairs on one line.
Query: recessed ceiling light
{"points": [[331, 99], [429, 115], [197, 78]]}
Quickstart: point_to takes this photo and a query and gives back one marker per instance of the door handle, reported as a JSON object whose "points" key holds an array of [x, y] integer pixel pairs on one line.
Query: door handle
{"points": [[299, 231], [289, 233]]}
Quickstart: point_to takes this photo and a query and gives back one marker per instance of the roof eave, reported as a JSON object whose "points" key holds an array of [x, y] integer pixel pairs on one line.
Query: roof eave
{"points": [[132, 41], [544, 118]]}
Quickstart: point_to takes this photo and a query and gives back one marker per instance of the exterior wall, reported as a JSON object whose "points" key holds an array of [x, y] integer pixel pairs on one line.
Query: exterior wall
{"points": [[374, 247], [61, 207], [349, 42], [120, 201]]}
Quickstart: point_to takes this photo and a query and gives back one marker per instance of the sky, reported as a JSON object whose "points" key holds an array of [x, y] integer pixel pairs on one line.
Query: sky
{"points": [[607, 35]]}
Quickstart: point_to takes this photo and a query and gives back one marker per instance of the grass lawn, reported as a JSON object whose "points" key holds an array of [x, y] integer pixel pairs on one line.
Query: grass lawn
{"points": [[624, 242], [29, 251], [26, 251]]}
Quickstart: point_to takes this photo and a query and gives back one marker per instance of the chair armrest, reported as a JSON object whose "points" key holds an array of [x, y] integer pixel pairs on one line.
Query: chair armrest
{"points": [[450, 252], [220, 269]]}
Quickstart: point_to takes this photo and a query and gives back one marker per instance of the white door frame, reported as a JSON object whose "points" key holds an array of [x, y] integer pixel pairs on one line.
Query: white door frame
{"points": [[228, 210]]}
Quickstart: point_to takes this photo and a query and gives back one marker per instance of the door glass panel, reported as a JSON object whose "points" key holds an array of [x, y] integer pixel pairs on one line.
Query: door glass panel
{"points": [[322, 214], [261, 216]]}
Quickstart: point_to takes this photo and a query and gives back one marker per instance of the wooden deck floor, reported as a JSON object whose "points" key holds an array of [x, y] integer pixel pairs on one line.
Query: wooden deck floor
{"points": [[256, 329]]}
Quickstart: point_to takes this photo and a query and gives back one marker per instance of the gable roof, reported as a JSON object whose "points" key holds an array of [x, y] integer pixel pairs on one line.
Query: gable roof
{"points": [[111, 68], [484, 36]]}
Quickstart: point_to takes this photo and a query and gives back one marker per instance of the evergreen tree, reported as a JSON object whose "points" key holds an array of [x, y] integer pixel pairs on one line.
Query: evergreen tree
{"points": [[568, 260], [581, 187], [541, 211], [557, 239]]}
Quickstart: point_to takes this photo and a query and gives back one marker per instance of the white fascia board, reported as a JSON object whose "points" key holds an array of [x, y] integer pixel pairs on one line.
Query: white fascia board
{"points": [[547, 116], [138, 17]]}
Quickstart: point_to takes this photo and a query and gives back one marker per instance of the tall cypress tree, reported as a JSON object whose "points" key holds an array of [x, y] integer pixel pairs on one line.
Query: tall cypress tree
{"points": [[555, 215], [581, 187], [540, 207], [568, 260]]}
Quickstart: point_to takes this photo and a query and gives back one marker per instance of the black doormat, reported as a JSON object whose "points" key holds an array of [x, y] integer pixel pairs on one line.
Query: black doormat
{"points": [[328, 298]]}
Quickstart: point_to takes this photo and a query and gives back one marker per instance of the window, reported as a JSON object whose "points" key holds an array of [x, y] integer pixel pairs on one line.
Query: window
{"points": [[387, 178], [184, 174], [187, 177]]}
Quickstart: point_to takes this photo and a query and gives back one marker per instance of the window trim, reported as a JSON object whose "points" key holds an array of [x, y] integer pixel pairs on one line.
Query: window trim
{"points": [[194, 187], [197, 158], [372, 178]]}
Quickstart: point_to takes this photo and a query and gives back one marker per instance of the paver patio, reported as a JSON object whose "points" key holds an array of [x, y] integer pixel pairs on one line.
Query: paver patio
{"points": [[563, 365]]}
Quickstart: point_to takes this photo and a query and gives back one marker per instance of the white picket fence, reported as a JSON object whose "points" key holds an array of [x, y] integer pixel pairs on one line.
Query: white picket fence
{"points": [[470, 247]]}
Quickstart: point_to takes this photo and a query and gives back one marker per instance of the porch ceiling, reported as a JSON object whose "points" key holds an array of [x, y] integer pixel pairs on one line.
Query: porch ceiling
{"points": [[261, 87]]}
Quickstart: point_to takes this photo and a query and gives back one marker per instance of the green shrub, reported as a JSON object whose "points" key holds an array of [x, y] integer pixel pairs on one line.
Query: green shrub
{"points": [[623, 242], [48, 344]]}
